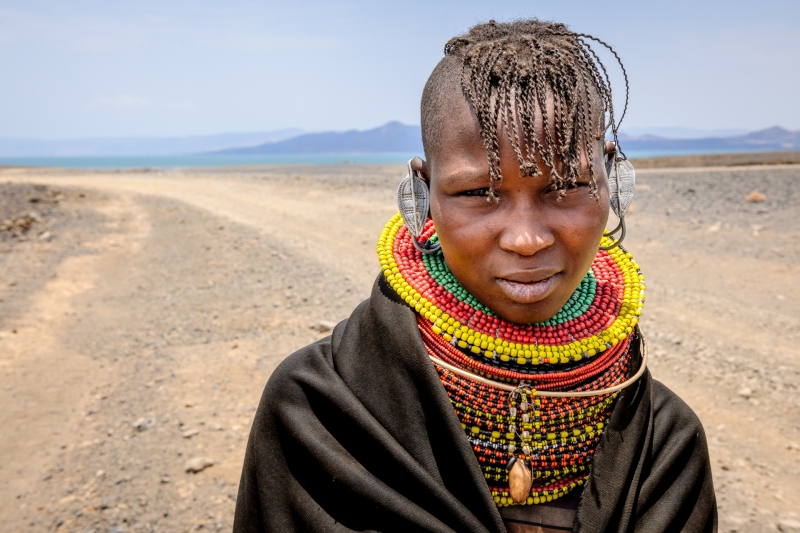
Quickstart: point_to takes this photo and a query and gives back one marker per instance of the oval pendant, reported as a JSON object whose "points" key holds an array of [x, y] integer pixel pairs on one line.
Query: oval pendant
{"points": [[520, 480], [413, 200], [621, 184]]}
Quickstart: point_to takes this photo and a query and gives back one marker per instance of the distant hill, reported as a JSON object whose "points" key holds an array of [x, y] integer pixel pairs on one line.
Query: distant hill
{"points": [[391, 137], [138, 146], [397, 137], [775, 138]]}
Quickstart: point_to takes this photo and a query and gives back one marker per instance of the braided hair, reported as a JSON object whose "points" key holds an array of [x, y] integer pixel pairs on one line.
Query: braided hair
{"points": [[508, 71]]}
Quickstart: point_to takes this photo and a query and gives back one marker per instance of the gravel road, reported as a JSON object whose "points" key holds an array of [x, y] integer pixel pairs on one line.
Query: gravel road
{"points": [[141, 313]]}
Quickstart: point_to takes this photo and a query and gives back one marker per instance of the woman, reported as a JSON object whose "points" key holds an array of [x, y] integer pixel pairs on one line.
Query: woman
{"points": [[496, 378]]}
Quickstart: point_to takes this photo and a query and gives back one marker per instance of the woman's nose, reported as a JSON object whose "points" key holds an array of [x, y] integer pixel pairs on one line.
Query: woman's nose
{"points": [[525, 236]]}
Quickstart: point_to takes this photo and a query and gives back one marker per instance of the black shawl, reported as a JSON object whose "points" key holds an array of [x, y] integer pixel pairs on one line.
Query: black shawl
{"points": [[356, 433]]}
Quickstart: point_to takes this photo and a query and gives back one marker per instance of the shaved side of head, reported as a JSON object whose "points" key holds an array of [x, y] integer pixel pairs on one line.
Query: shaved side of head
{"points": [[441, 94]]}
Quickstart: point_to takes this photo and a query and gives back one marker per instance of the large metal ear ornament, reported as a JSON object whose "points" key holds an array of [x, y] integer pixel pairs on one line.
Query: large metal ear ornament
{"points": [[413, 200], [621, 184]]}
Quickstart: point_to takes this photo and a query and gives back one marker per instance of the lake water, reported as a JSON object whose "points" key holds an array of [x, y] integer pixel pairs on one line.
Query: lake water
{"points": [[217, 160]]}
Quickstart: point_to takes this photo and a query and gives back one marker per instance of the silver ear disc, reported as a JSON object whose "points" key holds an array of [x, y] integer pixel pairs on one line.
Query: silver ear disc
{"points": [[413, 201], [621, 183]]}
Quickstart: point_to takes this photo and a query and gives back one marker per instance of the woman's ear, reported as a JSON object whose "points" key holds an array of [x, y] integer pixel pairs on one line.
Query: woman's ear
{"points": [[610, 147], [420, 165]]}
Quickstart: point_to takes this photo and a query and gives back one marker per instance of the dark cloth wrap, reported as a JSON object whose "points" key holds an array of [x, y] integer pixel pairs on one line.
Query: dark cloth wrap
{"points": [[356, 433]]}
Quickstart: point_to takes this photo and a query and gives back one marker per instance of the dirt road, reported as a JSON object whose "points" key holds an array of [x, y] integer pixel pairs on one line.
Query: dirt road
{"points": [[142, 312]]}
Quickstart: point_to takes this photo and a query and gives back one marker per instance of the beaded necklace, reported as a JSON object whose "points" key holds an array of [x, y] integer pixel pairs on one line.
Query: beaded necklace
{"points": [[584, 347]]}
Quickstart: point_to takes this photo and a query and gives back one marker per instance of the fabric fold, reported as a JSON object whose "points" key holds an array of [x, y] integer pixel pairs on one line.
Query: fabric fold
{"points": [[356, 433]]}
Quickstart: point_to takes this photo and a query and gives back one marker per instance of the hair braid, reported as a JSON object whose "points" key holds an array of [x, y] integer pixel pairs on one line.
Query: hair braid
{"points": [[512, 71]]}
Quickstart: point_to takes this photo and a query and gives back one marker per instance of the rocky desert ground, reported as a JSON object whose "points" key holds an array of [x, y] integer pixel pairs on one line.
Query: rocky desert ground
{"points": [[141, 313]]}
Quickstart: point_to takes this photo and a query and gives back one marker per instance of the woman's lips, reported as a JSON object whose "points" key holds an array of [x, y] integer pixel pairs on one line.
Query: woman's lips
{"points": [[527, 292]]}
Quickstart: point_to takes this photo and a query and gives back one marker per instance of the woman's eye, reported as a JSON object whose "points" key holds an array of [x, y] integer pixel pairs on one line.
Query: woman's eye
{"points": [[569, 187], [577, 185], [478, 193]]}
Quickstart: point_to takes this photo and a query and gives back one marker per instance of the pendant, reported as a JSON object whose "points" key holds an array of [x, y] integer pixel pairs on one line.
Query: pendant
{"points": [[621, 184], [520, 480], [413, 200]]}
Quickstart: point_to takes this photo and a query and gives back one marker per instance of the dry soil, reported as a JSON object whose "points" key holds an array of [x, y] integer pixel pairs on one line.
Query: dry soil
{"points": [[141, 313]]}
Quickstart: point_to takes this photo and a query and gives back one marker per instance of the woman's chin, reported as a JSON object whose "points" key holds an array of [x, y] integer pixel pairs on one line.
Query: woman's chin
{"points": [[526, 313]]}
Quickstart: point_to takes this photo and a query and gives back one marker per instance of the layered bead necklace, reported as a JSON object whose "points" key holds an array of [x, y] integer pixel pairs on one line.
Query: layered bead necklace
{"points": [[584, 347]]}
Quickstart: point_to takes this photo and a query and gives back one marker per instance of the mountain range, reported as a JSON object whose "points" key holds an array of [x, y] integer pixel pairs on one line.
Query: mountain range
{"points": [[393, 137], [397, 137], [775, 138]]}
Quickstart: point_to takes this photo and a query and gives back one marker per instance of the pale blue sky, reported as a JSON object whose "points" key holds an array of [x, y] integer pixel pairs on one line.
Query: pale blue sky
{"points": [[118, 68]]}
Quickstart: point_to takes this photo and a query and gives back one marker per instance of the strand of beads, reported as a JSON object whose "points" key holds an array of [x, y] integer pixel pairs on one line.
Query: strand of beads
{"points": [[576, 306], [547, 380], [609, 318], [485, 411], [553, 436], [556, 436], [556, 445], [556, 488], [585, 346]]}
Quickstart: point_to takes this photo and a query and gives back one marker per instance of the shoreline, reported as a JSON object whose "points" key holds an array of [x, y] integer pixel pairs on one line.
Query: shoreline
{"points": [[334, 161]]}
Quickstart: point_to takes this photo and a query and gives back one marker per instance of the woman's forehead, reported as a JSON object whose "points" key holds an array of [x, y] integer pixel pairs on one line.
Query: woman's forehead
{"points": [[460, 150]]}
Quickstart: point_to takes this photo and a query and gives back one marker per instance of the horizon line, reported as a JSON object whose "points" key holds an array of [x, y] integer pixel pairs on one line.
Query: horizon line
{"points": [[301, 131]]}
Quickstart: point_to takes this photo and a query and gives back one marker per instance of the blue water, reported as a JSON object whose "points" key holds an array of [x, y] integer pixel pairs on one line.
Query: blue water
{"points": [[217, 160], [211, 160]]}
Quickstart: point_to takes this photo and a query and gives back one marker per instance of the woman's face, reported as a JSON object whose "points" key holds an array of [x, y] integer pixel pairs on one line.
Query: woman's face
{"points": [[524, 255]]}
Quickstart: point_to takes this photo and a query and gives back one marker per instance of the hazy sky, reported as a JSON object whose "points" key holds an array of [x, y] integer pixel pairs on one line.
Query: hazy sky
{"points": [[118, 68]]}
